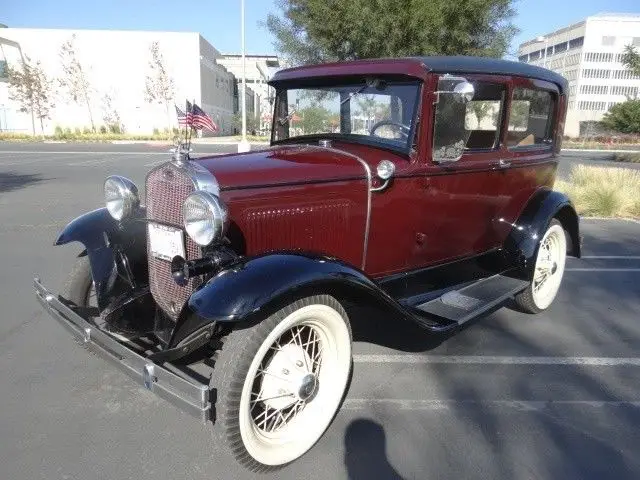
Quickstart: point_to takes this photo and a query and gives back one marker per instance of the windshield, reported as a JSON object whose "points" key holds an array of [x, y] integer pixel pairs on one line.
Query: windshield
{"points": [[375, 111]]}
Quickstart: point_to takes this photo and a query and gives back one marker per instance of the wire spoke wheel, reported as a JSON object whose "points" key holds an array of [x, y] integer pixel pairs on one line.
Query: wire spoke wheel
{"points": [[290, 389], [549, 267]]}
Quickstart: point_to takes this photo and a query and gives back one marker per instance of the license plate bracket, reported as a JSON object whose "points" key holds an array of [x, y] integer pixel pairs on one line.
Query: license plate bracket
{"points": [[166, 242]]}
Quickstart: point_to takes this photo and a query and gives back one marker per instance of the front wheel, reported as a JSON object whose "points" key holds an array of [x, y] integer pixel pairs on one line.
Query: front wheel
{"points": [[80, 290], [280, 383], [548, 271]]}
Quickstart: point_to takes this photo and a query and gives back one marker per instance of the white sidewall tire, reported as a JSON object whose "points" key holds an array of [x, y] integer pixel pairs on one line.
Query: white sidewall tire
{"points": [[547, 293], [333, 380], [244, 434]]}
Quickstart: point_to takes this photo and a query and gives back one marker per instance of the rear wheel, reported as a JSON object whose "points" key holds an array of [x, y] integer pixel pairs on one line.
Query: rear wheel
{"points": [[548, 271], [280, 383]]}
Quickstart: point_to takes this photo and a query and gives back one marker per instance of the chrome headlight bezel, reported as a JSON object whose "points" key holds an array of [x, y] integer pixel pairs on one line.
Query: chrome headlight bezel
{"points": [[121, 197], [205, 217]]}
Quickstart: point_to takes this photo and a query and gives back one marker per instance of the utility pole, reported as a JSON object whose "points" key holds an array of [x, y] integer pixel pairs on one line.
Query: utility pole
{"points": [[244, 145]]}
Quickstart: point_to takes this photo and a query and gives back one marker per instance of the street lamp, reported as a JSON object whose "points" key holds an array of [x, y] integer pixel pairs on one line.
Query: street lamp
{"points": [[244, 145]]}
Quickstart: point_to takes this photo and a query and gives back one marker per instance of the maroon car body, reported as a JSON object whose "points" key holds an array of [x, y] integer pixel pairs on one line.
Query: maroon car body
{"points": [[441, 217]]}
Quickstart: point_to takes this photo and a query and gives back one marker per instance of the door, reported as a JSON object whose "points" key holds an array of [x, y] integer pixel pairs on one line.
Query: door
{"points": [[463, 185], [529, 149]]}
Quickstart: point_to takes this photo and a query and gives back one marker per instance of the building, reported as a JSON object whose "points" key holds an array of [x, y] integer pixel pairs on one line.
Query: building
{"points": [[589, 54], [117, 64], [258, 72]]}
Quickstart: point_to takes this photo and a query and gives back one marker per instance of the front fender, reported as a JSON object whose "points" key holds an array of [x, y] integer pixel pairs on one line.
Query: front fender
{"points": [[256, 285], [116, 251], [527, 232]]}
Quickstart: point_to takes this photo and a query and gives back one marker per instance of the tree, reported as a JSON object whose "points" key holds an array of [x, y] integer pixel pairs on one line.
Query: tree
{"points": [[253, 123], [110, 115], [631, 60], [32, 89], [159, 86], [75, 79], [314, 119], [623, 117], [311, 31], [480, 109]]}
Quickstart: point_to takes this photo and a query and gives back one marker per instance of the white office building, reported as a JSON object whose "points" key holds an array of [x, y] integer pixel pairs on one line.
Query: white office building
{"points": [[588, 54], [116, 64], [258, 69]]}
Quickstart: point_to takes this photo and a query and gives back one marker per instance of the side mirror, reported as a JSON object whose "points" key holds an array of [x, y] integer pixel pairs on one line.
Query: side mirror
{"points": [[464, 91]]}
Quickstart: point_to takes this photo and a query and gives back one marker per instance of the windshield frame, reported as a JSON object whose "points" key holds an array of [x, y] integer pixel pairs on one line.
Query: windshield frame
{"points": [[280, 109]]}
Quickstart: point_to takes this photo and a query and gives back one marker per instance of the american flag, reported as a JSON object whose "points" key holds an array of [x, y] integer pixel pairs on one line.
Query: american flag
{"points": [[201, 120], [185, 119]]}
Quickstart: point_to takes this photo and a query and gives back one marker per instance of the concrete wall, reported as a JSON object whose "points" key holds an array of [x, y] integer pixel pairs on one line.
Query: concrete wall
{"points": [[117, 63]]}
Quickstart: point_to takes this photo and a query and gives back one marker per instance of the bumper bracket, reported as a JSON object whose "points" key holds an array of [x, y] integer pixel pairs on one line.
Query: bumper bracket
{"points": [[182, 391]]}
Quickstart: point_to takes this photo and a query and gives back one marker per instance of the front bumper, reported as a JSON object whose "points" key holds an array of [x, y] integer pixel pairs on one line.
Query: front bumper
{"points": [[176, 387]]}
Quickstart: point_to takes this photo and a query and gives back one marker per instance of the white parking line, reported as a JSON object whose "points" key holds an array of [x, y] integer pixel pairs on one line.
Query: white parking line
{"points": [[495, 360], [405, 404], [602, 269], [75, 152], [609, 257]]}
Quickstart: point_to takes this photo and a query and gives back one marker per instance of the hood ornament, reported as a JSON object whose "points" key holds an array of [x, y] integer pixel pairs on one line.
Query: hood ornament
{"points": [[180, 151]]}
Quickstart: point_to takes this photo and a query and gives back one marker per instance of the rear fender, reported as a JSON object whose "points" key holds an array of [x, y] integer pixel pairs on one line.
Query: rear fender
{"points": [[116, 251], [524, 238], [252, 288]]}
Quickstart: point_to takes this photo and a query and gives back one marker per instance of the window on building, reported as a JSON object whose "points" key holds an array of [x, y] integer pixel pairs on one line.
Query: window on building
{"points": [[3, 69], [626, 90], [592, 106], [560, 47], [523, 58], [571, 74], [635, 41], [534, 55], [595, 73], [598, 57], [608, 41], [549, 51], [593, 89], [625, 75], [530, 119], [576, 42]]}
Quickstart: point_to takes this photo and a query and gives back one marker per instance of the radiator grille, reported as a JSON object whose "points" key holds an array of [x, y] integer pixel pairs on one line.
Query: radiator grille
{"points": [[166, 188]]}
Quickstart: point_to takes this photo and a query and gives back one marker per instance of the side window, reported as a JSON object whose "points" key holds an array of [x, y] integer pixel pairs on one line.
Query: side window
{"points": [[482, 116], [530, 119]]}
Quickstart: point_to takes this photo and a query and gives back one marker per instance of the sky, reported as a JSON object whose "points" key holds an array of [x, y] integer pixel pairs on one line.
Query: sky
{"points": [[219, 20]]}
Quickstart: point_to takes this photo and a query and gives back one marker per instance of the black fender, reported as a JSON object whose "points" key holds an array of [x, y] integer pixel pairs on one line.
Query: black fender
{"points": [[526, 233], [255, 287], [117, 254]]}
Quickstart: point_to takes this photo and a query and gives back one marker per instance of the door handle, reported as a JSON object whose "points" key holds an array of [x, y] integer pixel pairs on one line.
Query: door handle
{"points": [[502, 164]]}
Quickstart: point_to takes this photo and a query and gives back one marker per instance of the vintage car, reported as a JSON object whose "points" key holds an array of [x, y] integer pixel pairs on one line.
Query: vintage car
{"points": [[423, 186]]}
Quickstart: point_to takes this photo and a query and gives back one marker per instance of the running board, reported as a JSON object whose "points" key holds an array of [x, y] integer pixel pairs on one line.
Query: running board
{"points": [[459, 306]]}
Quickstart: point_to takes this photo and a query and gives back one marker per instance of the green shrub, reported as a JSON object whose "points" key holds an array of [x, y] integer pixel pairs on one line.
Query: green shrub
{"points": [[623, 117], [631, 157], [603, 191]]}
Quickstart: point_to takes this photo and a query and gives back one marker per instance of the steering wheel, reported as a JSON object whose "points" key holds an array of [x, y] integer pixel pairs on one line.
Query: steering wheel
{"points": [[403, 129]]}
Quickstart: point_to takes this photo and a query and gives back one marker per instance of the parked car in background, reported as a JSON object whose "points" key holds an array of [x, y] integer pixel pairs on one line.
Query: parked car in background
{"points": [[421, 185]]}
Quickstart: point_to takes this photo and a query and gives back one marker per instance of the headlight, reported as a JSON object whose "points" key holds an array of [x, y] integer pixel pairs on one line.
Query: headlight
{"points": [[121, 196], [205, 217]]}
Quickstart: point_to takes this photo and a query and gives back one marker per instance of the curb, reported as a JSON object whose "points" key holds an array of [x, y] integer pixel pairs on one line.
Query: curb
{"points": [[596, 150]]}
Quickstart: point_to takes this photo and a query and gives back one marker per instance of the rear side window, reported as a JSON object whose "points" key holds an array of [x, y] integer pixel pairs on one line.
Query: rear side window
{"points": [[482, 116], [530, 118]]}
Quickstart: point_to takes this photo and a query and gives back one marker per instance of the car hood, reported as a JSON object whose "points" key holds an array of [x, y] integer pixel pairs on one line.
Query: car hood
{"points": [[286, 165]]}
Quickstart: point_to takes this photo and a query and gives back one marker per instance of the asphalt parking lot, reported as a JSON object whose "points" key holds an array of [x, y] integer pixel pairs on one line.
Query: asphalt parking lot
{"points": [[511, 396]]}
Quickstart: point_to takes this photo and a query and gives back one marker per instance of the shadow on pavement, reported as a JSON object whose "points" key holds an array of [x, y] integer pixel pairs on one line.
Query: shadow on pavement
{"points": [[365, 454], [10, 181]]}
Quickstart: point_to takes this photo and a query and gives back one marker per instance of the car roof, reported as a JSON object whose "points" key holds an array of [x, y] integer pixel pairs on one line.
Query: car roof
{"points": [[420, 67]]}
